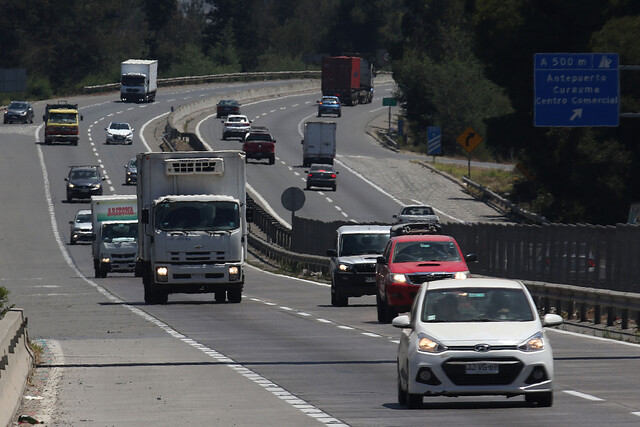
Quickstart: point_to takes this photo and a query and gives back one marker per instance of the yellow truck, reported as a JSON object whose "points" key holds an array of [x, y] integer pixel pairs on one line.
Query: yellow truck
{"points": [[61, 123]]}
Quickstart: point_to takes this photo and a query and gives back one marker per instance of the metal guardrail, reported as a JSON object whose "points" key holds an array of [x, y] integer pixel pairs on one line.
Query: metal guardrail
{"points": [[214, 78]]}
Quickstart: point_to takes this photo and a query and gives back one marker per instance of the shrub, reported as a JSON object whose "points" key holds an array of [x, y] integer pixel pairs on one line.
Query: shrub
{"points": [[4, 300]]}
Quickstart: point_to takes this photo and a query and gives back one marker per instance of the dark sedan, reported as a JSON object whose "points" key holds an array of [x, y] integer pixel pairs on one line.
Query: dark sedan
{"points": [[18, 111], [226, 107], [84, 182], [321, 176]]}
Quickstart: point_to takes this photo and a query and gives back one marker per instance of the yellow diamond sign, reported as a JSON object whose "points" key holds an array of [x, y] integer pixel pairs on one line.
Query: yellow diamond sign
{"points": [[469, 139]]}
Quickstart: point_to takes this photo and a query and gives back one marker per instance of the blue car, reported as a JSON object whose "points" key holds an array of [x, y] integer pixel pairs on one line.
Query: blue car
{"points": [[329, 105]]}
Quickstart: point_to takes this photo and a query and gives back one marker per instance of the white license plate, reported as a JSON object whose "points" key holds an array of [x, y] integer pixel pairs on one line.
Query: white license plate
{"points": [[481, 368], [198, 275]]}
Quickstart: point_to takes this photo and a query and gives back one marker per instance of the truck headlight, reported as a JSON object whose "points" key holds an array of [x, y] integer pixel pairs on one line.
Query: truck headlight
{"points": [[234, 272], [345, 267], [105, 260], [162, 274]]}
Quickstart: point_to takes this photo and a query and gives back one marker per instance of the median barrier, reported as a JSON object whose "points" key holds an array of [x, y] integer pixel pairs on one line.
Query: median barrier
{"points": [[16, 360]]}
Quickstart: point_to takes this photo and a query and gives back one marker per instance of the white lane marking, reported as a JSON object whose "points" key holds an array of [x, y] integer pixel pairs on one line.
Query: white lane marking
{"points": [[583, 395], [290, 398], [636, 413]]}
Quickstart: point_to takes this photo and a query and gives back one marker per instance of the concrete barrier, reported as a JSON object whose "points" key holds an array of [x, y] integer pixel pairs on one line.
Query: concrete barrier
{"points": [[16, 360]]}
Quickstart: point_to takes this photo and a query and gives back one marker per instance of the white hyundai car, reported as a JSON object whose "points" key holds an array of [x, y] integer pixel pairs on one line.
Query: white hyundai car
{"points": [[477, 336]]}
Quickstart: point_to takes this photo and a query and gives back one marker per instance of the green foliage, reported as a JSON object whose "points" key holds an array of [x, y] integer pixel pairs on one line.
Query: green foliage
{"points": [[4, 299]]}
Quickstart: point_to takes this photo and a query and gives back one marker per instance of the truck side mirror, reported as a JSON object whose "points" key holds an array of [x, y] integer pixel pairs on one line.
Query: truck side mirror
{"points": [[44, 118], [81, 117], [249, 214], [144, 216], [332, 252]]}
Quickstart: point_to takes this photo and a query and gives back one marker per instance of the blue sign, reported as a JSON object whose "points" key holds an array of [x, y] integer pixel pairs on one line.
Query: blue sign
{"points": [[434, 138], [576, 89]]}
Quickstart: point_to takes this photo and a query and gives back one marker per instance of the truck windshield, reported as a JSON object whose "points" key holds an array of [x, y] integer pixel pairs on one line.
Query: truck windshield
{"points": [[63, 118], [361, 244], [112, 233], [130, 80], [197, 215]]}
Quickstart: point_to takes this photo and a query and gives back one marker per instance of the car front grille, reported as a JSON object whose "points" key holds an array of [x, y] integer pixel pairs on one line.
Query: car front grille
{"points": [[508, 369]]}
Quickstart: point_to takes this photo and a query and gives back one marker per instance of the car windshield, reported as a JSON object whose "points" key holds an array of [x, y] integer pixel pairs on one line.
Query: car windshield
{"points": [[83, 217], [425, 251], [17, 106], [197, 216], [119, 126], [84, 174], [362, 243], [113, 233], [133, 163], [227, 102], [419, 210], [476, 305]]}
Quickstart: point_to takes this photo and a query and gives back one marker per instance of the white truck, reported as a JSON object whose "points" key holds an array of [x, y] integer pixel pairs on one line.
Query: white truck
{"points": [[193, 224], [115, 233], [319, 143], [139, 80]]}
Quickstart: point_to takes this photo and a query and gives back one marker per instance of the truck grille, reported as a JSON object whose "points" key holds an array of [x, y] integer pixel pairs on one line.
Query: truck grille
{"points": [[366, 268], [126, 256], [214, 166], [420, 278], [198, 257]]}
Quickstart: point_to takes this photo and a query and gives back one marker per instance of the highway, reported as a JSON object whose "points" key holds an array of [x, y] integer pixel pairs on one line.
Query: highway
{"points": [[284, 356]]}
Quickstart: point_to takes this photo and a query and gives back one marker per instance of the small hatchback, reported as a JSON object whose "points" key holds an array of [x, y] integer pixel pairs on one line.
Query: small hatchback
{"points": [[480, 336], [329, 105], [18, 111]]}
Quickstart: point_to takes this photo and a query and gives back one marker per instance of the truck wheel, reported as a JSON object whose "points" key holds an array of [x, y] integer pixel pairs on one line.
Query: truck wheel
{"points": [[102, 270], [234, 295], [341, 299], [47, 141], [220, 296], [96, 269]]}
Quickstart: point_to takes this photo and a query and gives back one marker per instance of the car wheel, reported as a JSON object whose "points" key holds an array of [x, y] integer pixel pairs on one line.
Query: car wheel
{"points": [[72, 241], [389, 312], [402, 395], [234, 296], [339, 114], [334, 300], [341, 299], [69, 198], [224, 137], [541, 399], [334, 188], [220, 296], [319, 115], [414, 401]]}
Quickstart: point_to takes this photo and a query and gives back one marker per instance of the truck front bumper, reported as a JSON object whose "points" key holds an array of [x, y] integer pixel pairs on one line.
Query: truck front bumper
{"points": [[201, 278]]}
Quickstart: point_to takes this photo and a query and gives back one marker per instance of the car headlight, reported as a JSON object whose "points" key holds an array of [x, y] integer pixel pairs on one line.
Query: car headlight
{"points": [[398, 278], [429, 345], [461, 275], [96, 186], [534, 343], [70, 185], [23, 113], [345, 267]]}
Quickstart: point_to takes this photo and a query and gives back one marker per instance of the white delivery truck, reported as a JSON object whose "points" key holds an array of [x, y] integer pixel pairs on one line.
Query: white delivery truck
{"points": [[139, 80], [319, 143], [193, 224], [115, 233]]}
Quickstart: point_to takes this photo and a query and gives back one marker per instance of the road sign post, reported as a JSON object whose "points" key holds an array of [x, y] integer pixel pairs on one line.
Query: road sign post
{"points": [[576, 89], [469, 140], [391, 102]]}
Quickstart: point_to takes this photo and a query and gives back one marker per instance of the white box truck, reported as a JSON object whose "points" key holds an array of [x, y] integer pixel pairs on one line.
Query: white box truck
{"points": [[319, 143], [192, 224], [115, 233], [139, 80]]}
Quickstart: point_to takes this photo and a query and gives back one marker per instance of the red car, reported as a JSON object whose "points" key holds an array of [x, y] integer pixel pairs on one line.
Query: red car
{"points": [[411, 259]]}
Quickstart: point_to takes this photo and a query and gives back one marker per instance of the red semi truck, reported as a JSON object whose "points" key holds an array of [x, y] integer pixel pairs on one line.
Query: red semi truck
{"points": [[348, 77]]}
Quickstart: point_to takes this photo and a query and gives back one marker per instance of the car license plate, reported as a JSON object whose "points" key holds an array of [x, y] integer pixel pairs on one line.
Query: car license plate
{"points": [[481, 368], [371, 279], [198, 275]]}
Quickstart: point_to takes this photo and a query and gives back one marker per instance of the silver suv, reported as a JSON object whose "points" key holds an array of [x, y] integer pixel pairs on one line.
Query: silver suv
{"points": [[81, 227], [353, 261]]}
